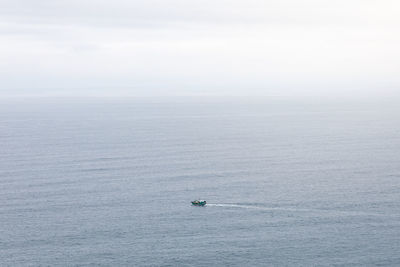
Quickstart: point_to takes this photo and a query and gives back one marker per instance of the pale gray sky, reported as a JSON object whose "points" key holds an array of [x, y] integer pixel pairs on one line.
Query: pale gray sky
{"points": [[203, 47]]}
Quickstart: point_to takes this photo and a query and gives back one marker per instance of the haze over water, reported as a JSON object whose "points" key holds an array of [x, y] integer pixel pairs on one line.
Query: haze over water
{"points": [[288, 183]]}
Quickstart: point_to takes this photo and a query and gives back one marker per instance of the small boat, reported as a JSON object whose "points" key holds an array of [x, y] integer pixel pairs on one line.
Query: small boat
{"points": [[199, 203]]}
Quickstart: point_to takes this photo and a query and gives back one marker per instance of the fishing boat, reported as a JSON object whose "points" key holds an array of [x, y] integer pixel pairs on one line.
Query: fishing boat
{"points": [[199, 203]]}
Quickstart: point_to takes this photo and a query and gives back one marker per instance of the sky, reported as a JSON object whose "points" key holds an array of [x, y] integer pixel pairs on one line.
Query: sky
{"points": [[199, 48]]}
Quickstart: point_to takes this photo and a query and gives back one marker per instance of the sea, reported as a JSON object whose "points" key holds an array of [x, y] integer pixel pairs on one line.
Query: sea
{"points": [[288, 182]]}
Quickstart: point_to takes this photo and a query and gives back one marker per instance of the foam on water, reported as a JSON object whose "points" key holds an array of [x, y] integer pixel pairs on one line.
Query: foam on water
{"points": [[296, 210]]}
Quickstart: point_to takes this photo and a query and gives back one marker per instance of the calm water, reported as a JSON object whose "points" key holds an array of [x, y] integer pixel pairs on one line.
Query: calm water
{"points": [[109, 182]]}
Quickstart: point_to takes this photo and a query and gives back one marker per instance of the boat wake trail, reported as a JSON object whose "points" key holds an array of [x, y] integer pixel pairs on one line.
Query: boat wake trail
{"points": [[254, 207], [327, 212]]}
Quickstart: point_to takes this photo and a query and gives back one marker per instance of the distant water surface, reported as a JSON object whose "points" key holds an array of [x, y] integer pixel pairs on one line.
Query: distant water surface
{"points": [[109, 182]]}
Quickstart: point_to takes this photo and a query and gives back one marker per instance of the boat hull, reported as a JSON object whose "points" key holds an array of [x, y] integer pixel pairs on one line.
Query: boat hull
{"points": [[199, 203]]}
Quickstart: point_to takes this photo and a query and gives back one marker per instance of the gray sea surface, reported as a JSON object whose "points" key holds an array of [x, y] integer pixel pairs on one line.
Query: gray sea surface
{"points": [[108, 182]]}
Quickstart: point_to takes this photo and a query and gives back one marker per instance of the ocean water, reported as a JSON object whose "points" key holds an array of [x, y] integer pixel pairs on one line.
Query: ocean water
{"points": [[108, 182]]}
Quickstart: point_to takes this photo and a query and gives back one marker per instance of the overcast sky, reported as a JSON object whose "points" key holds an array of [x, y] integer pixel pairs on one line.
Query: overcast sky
{"points": [[203, 47]]}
